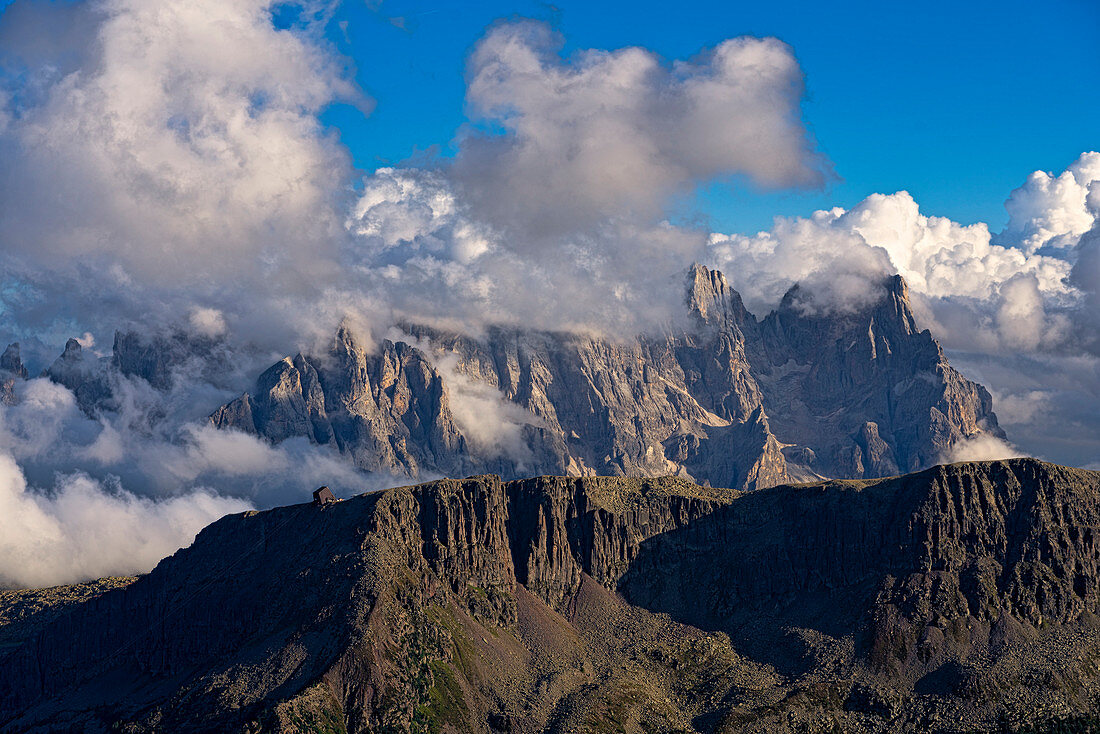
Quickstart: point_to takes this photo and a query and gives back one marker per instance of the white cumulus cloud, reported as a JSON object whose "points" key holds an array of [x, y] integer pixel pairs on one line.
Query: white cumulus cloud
{"points": [[81, 529], [982, 447], [970, 291], [168, 152], [601, 133], [1055, 210]]}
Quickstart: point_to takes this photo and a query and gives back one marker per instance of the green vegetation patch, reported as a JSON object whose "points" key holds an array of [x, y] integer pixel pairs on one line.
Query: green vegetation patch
{"points": [[315, 711], [445, 703]]}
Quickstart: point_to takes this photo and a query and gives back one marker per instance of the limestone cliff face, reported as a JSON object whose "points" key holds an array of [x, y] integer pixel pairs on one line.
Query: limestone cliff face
{"points": [[970, 542], [617, 409], [905, 604], [387, 410], [731, 401], [882, 388]]}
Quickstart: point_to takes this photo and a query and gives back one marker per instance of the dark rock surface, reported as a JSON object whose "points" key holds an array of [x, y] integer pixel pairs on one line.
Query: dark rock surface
{"points": [[11, 362], [12, 370], [729, 401], [959, 598], [24, 612], [79, 372], [871, 379]]}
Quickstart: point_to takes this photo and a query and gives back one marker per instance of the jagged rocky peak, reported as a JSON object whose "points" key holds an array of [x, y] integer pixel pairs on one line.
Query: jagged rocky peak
{"points": [[869, 377], [711, 299], [74, 352], [72, 367], [887, 315], [954, 599], [899, 298], [386, 409], [12, 363], [730, 401], [11, 369], [154, 358]]}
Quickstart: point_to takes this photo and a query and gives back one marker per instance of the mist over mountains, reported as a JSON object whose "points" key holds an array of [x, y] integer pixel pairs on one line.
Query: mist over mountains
{"points": [[601, 455], [729, 400], [168, 178], [862, 395]]}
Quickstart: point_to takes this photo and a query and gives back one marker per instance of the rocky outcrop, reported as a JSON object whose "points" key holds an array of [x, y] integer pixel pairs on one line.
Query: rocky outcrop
{"points": [[872, 380], [71, 368], [12, 363], [730, 401], [386, 411], [11, 370], [961, 596], [151, 359], [83, 374], [619, 408], [158, 360]]}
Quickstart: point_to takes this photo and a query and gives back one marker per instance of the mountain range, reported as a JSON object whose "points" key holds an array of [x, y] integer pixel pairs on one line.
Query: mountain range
{"points": [[729, 400], [959, 598], [726, 399]]}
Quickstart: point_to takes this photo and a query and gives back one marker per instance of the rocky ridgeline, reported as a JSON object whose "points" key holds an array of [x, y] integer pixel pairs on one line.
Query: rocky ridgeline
{"points": [[730, 401], [960, 598]]}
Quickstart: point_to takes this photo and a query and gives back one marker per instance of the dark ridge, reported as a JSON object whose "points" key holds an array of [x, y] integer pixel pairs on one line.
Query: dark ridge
{"points": [[962, 593]]}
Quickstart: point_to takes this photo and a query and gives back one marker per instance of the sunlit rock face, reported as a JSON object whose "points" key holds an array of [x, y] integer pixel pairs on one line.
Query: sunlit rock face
{"points": [[730, 400]]}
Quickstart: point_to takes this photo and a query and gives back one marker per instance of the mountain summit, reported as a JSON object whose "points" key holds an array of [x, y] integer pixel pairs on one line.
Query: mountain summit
{"points": [[730, 401]]}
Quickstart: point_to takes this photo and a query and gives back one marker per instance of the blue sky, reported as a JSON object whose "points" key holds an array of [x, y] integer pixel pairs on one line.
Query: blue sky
{"points": [[955, 102]]}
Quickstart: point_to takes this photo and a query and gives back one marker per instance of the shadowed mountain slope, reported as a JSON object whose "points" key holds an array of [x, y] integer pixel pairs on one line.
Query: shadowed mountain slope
{"points": [[959, 598]]}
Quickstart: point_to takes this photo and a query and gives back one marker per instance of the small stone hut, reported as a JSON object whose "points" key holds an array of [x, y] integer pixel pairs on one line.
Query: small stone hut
{"points": [[323, 496]]}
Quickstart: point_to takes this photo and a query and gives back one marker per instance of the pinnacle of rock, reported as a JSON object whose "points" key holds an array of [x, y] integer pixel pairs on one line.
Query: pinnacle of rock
{"points": [[733, 402], [12, 363]]}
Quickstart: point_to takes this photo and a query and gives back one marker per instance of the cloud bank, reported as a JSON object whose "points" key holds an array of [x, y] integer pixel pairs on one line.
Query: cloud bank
{"points": [[552, 213], [82, 497], [82, 529], [1053, 212], [168, 164], [604, 133], [183, 144]]}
